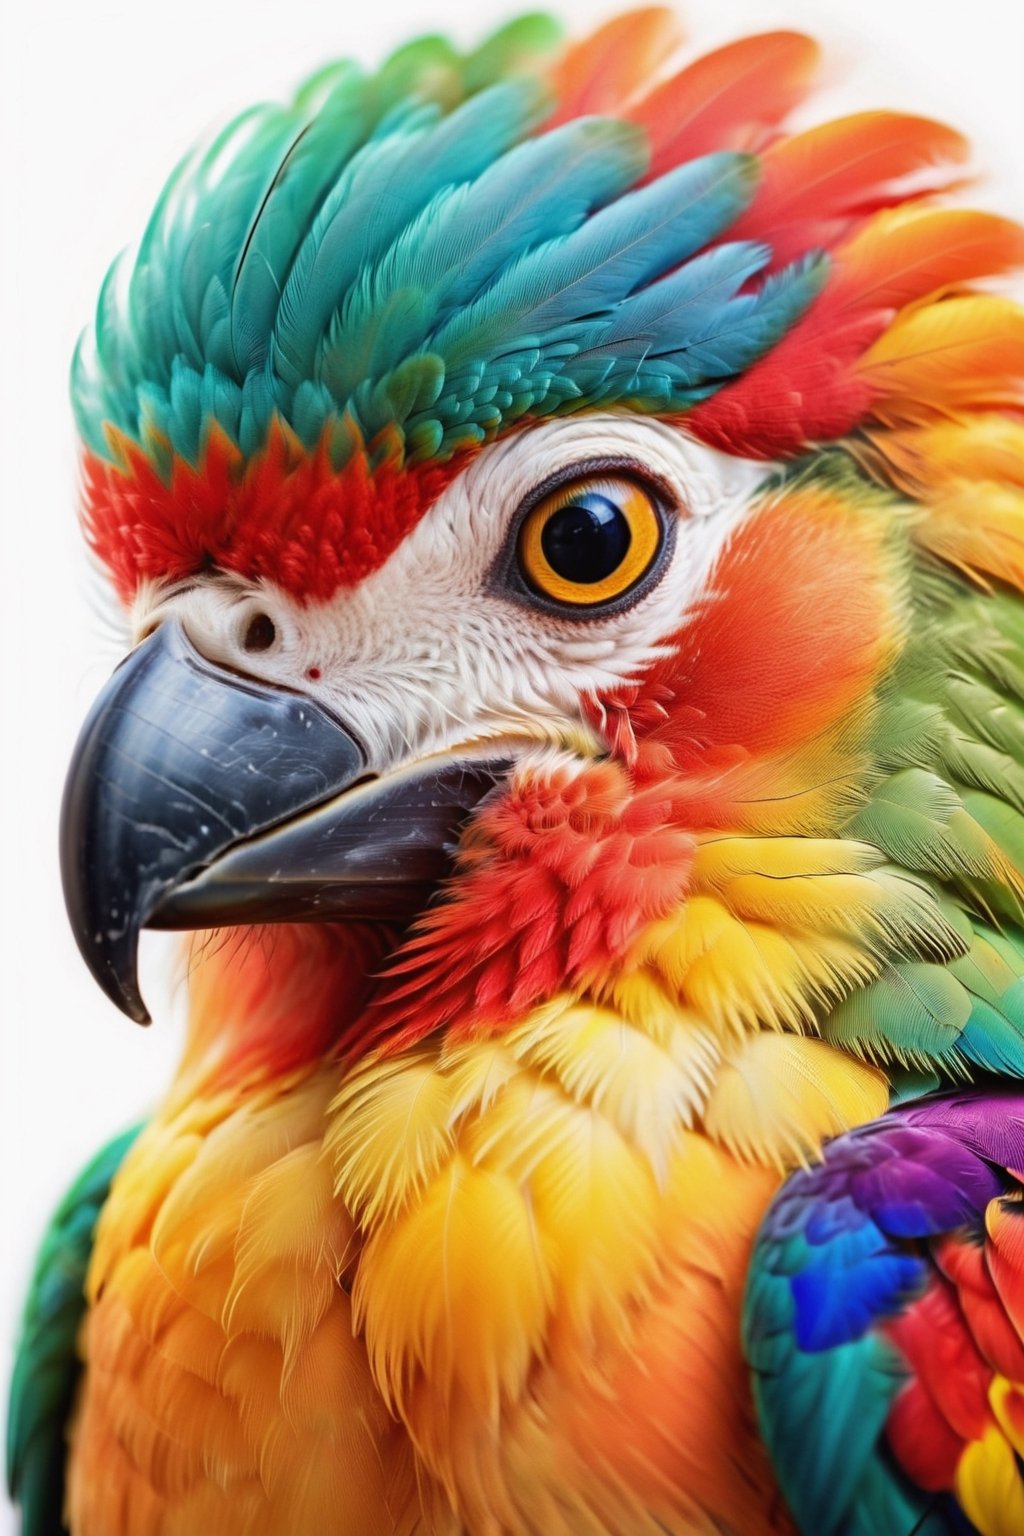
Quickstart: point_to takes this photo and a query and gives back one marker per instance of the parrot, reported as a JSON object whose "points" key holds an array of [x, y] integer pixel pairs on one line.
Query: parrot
{"points": [[567, 500]]}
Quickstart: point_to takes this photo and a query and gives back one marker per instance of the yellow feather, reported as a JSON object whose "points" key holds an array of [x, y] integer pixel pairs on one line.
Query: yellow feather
{"points": [[389, 1133], [978, 527], [1007, 1400], [647, 1086], [968, 474], [777, 1098], [985, 445], [594, 1197], [459, 1287], [988, 1485], [833, 886], [477, 1071], [740, 975]]}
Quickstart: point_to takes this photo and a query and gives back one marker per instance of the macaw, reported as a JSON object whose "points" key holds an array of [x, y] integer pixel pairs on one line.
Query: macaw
{"points": [[571, 526]]}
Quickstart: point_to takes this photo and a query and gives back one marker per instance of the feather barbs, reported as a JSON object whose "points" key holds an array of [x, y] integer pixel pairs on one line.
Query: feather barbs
{"points": [[520, 265], [285, 514]]}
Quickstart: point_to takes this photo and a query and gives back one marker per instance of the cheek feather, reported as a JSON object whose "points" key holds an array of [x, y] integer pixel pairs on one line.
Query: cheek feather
{"points": [[805, 614]]}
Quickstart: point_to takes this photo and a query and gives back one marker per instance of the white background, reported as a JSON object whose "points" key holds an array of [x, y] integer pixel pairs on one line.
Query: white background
{"points": [[99, 100]]}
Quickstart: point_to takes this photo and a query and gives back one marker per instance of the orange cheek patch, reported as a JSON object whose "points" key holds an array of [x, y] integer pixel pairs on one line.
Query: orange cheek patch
{"points": [[805, 614]]}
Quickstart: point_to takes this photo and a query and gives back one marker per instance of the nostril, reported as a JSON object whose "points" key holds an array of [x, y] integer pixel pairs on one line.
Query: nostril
{"points": [[260, 633]]}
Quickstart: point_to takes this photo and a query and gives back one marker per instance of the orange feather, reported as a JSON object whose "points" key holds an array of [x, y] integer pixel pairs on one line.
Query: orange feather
{"points": [[728, 99], [816, 186], [600, 73], [905, 254]]}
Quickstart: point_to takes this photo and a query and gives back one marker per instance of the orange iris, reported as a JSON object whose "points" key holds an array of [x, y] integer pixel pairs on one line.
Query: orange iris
{"points": [[590, 541]]}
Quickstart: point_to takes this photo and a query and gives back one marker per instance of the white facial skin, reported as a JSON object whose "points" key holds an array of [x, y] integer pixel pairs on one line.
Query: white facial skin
{"points": [[426, 654]]}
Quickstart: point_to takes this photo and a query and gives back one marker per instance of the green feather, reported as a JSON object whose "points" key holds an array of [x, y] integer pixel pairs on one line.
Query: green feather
{"points": [[920, 822], [47, 1366], [914, 1012]]}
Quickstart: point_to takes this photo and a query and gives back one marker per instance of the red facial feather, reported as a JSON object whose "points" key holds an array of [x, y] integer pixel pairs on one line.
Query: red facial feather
{"points": [[560, 875], [285, 514]]}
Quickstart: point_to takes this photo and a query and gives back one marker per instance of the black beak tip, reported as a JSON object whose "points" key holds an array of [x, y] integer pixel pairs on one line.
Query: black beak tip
{"points": [[177, 762], [113, 964], [121, 984], [126, 996]]}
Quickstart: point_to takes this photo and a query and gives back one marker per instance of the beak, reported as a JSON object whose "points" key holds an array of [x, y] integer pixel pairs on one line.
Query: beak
{"points": [[198, 798]]}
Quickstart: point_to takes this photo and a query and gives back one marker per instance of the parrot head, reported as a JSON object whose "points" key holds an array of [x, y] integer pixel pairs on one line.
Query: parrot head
{"points": [[546, 495]]}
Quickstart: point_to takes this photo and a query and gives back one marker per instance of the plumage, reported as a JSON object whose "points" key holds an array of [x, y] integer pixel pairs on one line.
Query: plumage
{"points": [[43, 1385], [837, 1253], [731, 98], [606, 1117]]}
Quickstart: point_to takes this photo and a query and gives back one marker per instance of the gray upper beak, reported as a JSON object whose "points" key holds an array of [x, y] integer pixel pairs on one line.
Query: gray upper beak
{"points": [[184, 807]]}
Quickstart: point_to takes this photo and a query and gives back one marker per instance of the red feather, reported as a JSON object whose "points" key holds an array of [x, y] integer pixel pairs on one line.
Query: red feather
{"points": [[934, 1338], [285, 514], [965, 1265], [561, 874]]}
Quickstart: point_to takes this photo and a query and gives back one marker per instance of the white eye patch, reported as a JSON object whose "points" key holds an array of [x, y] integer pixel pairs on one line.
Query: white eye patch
{"points": [[428, 652]]}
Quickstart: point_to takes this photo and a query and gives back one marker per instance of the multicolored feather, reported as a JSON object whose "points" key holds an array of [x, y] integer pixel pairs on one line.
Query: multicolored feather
{"points": [[883, 1324], [714, 1027]]}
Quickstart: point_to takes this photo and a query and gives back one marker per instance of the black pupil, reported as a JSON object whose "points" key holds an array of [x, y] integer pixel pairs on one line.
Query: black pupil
{"points": [[587, 540]]}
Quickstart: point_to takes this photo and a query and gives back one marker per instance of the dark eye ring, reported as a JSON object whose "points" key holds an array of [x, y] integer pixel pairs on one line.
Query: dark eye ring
{"points": [[591, 540]]}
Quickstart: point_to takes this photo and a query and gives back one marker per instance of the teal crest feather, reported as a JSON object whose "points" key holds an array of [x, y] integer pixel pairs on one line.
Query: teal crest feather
{"points": [[412, 250]]}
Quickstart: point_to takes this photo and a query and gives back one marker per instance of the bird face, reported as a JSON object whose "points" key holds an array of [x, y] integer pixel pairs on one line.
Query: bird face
{"points": [[349, 739], [468, 634], [547, 481]]}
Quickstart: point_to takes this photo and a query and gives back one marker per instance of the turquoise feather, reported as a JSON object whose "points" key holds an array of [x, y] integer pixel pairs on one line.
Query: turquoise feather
{"points": [[407, 253]]}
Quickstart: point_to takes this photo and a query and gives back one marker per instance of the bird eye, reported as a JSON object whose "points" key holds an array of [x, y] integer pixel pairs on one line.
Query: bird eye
{"points": [[591, 540]]}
